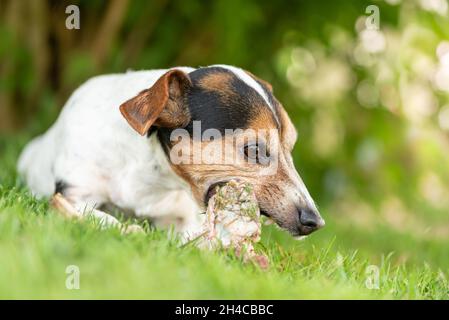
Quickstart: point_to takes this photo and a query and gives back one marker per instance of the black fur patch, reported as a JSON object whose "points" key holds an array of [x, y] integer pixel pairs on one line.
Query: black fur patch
{"points": [[60, 187], [152, 130], [221, 110], [163, 134]]}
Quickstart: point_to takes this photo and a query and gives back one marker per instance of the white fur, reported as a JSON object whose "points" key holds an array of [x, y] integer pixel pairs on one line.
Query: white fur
{"points": [[103, 160]]}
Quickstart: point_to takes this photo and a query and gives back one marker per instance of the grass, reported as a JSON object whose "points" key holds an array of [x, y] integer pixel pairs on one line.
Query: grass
{"points": [[37, 245]]}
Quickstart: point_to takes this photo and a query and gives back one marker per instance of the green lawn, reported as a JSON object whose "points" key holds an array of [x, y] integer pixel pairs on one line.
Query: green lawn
{"points": [[37, 245]]}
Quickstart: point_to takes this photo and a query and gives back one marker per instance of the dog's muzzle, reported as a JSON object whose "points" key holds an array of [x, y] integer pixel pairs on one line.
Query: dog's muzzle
{"points": [[309, 220]]}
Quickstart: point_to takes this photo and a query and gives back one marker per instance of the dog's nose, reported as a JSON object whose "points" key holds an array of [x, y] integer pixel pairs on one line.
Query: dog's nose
{"points": [[309, 221]]}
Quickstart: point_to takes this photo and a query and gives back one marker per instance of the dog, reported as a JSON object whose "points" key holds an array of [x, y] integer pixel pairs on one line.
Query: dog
{"points": [[111, 147]]}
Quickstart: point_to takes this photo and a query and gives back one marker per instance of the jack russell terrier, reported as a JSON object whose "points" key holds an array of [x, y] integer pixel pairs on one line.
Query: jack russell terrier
{"points": [[112, 147]]}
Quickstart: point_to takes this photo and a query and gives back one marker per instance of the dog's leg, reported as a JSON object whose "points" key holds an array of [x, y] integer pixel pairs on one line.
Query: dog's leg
{"points": [[68, 210], [176, 209]]}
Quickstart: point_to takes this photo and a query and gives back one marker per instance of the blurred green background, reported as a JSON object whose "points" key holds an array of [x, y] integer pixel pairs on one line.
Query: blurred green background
{"points": [[371, 105]]}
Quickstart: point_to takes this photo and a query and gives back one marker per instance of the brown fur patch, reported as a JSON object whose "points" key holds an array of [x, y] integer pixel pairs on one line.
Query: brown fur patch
{"points": [[264, 119], [218, 82]]}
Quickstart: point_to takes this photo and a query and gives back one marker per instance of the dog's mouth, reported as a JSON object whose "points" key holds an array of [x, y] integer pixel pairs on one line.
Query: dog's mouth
{"points": [[264, 213], [212, 191]]}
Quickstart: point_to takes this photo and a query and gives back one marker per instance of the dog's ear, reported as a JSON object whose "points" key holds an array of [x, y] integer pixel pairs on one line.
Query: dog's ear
{"points": [[162, 105]]}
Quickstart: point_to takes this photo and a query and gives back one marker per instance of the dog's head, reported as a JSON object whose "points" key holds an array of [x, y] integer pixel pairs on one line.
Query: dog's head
{"points": [[219, 123]]}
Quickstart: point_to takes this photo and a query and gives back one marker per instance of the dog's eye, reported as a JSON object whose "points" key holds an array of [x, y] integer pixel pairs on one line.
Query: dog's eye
{"points": [[251, 151], [255, 153]]}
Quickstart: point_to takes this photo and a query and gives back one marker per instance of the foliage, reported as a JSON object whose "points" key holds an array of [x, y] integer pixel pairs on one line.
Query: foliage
{"points": [[371, 108]]}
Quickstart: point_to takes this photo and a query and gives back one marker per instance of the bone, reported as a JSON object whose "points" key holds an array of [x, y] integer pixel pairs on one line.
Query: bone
{"points": [[233, 221]]}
